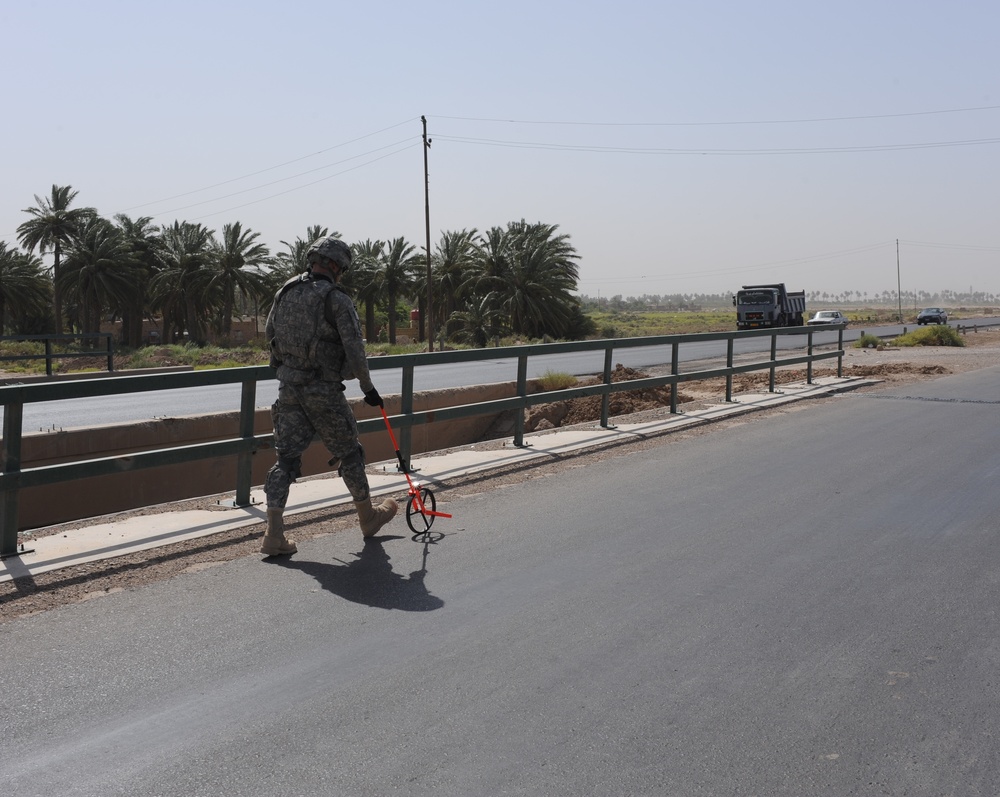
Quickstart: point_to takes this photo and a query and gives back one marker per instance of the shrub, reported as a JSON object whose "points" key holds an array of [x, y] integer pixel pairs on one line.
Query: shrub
{"points": [[139, 359], [556, 380], [937, 335], [868, 341]]}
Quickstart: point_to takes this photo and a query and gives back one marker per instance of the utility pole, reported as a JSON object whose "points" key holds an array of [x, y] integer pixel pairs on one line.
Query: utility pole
{"points": [[899, 293], [427, 225]]}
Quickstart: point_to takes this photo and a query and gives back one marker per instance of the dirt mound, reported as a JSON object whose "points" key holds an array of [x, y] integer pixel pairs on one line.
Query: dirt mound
{"points": [[897, 368], [588, 408]]}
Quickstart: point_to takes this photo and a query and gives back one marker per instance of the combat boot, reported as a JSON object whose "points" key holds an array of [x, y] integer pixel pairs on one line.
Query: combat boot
{"points": [[374, 518], [275, 543]]}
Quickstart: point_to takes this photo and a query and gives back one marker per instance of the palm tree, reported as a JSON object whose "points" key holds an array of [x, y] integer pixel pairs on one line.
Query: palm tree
{"points": [[396, 277], [144, 240], [478, 322], [293, 262], [99, 269], [51, 226], [451, 266], [187, 251], [490, 274], [236, 269], [364, 282], [538, 294], [527, 272], [25, 290]]}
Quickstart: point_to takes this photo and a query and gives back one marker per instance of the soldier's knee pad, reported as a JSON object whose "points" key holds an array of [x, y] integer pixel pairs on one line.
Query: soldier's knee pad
{"points": [[356, 459], [291, 466]]}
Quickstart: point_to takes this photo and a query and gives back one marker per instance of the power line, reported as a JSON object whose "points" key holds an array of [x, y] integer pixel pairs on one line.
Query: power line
{"points": [[269, 168], [966, 247], [306, 185], [290, 177], [724, 123], [709, 151], [12, 236]]}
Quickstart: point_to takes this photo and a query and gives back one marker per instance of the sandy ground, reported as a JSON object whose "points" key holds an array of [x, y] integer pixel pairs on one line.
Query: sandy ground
{"points": [[891, 366]]}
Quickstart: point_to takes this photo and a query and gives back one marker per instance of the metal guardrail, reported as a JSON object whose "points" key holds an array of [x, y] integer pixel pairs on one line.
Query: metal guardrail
{"points": [[49, 355], [14, 397], [963, 329]]}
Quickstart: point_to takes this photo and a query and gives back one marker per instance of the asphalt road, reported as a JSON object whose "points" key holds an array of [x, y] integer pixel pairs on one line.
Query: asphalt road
{"points": [[226, 398], [804, 603]]}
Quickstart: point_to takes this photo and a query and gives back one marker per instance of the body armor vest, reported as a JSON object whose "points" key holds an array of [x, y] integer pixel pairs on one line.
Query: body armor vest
{"points": [[306, 342]]}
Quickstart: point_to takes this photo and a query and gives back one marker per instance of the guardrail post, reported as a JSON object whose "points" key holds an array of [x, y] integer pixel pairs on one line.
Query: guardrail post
{"points": [[406, 407], [10, 453], [522, 391], [729, 364], [244, 462], [674, 370], [774, 356], [809, 351], [840, 357], [606, 398]]}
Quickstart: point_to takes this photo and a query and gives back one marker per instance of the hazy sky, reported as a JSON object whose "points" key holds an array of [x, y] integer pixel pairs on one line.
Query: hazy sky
{"points": [[683, 146]]}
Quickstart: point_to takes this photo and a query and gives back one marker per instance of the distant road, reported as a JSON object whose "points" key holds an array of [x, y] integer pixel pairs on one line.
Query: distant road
{"points": [[224, 398]]}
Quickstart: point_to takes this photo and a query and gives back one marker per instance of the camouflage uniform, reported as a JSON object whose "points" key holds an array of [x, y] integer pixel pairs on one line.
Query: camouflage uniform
{"points": [[316, 346]]}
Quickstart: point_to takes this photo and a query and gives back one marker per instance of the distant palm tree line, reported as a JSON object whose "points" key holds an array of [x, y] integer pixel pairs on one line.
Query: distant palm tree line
{"points": [[514, 280]]}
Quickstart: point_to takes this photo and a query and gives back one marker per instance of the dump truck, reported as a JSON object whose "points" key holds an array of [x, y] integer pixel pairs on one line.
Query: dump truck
{"points": [[759, 306]]}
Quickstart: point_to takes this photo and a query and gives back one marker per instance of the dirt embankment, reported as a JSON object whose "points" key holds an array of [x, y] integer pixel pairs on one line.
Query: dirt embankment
{"points": [[588, 408], [885, 364]]}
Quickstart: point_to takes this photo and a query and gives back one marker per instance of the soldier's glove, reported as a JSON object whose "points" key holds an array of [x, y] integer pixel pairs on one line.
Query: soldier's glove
{"points": [[373, 399]]}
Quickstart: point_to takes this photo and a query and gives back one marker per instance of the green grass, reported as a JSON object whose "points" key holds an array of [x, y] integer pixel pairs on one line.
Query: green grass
{"points": [[13, 348], [197, 357], [640, 324], [556, 380]]}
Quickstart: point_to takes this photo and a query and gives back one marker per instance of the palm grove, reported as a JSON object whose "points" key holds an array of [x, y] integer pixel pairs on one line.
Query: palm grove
{"points": [[516, 280]]}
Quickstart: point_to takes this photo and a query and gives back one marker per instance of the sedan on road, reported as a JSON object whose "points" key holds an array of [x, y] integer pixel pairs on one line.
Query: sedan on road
{"points": [[932, 315], [827, 317]]}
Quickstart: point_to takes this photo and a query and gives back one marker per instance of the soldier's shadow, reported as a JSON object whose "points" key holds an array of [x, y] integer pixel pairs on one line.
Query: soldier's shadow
{"points": [[370, 579]]}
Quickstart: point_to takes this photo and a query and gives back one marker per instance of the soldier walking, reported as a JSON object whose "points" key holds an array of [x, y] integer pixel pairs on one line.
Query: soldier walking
{"points": [[316, 346]]}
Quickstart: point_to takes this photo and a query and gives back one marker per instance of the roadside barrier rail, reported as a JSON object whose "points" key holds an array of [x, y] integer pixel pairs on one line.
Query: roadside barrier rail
{"points": [[49, 356], [963, 329], [13, 398]]}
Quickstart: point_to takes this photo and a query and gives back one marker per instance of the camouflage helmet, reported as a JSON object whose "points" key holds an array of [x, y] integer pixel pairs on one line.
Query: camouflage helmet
{"points": [[331, 248]]}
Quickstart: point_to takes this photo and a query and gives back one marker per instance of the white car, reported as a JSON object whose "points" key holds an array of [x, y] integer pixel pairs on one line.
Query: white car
{"points": [[827, 317]]}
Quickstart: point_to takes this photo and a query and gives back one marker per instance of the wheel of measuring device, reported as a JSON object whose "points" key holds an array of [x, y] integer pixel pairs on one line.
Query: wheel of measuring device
{"points": [[421, 522]]}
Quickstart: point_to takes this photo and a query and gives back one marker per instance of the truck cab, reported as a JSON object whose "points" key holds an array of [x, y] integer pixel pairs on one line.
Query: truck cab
{"points": [[762, 306]]}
